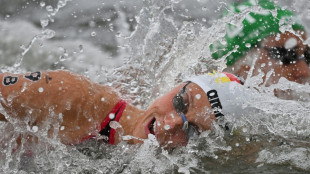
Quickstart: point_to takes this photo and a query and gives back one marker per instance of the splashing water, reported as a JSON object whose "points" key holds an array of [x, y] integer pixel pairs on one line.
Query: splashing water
{"points": [[152, 46]]}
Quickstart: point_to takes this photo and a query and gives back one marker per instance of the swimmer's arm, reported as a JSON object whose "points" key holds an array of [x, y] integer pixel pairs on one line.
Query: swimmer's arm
{"points": [[40, 94]]}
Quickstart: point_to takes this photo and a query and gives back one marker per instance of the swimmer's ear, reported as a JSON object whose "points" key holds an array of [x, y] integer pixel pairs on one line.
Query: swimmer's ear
{"points": [[2, 118]]}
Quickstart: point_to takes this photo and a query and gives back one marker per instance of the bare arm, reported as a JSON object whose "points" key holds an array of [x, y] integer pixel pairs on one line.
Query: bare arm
{"points": [[60, 100]]}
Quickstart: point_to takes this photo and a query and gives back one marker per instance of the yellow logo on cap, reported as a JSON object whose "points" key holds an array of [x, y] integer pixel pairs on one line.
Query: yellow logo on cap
{"points": [[219, 79]]}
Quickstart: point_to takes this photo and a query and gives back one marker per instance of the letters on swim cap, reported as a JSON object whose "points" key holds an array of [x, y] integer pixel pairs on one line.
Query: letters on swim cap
{"points": [[219, 90]]}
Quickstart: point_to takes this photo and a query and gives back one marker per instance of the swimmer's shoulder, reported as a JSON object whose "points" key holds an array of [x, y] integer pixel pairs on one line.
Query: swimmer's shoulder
{"points": [[13, 84]]}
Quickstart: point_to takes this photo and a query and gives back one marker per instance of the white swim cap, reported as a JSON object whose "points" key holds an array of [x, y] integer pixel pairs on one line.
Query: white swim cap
{"points": [[225, 92]]}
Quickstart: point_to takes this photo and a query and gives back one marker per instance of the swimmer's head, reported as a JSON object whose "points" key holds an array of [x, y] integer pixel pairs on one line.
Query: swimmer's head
{"points": [[177, 116], [187, 110], [265, 20]]}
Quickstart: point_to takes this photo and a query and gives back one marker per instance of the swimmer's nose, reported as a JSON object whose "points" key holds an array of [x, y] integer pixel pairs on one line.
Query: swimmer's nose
{"points": [[173, 120]]}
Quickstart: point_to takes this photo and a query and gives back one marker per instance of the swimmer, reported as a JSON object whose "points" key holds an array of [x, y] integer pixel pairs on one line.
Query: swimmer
{"points": [[86, 110], [269, 39]]}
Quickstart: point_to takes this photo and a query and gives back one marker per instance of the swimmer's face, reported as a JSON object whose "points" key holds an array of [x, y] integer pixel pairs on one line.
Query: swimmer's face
{"points": [[292, 67], [165, 123]]}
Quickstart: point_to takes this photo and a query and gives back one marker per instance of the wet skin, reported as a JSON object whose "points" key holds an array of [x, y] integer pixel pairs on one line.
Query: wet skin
{"points": [[297, 71], [168, 123]]}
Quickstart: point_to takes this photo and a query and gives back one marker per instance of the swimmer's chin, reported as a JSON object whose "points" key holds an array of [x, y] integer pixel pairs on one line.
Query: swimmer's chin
{"points": [[139, 135]]}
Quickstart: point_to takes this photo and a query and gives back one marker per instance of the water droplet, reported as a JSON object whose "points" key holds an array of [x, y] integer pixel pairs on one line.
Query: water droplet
{"points": [[111, 116], [102, 99], [62, 58], [49, 8], [166, 127], [60, 115], [198, 96], [244, 129], [44, 22], [269, 63], [62, 127], [35, 128], [92, 24], [42, 4], [248, 45], [128, 117], [93, 34], [68, 105], [263, 65], [40, 89], [115, 125], [158, 123], [48, 34], [237, 144]]}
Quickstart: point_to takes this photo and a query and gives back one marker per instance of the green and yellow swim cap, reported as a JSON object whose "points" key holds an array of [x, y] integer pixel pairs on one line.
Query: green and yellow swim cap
{"points": [[256, 25]]}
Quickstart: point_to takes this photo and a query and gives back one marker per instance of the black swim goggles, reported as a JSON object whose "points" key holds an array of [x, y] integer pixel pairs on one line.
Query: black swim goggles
{"points": [[181, 104], [288, 56]]}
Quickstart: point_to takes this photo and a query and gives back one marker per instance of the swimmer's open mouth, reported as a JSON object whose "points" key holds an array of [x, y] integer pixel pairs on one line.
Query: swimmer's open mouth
{"points": [[152, 126]]}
